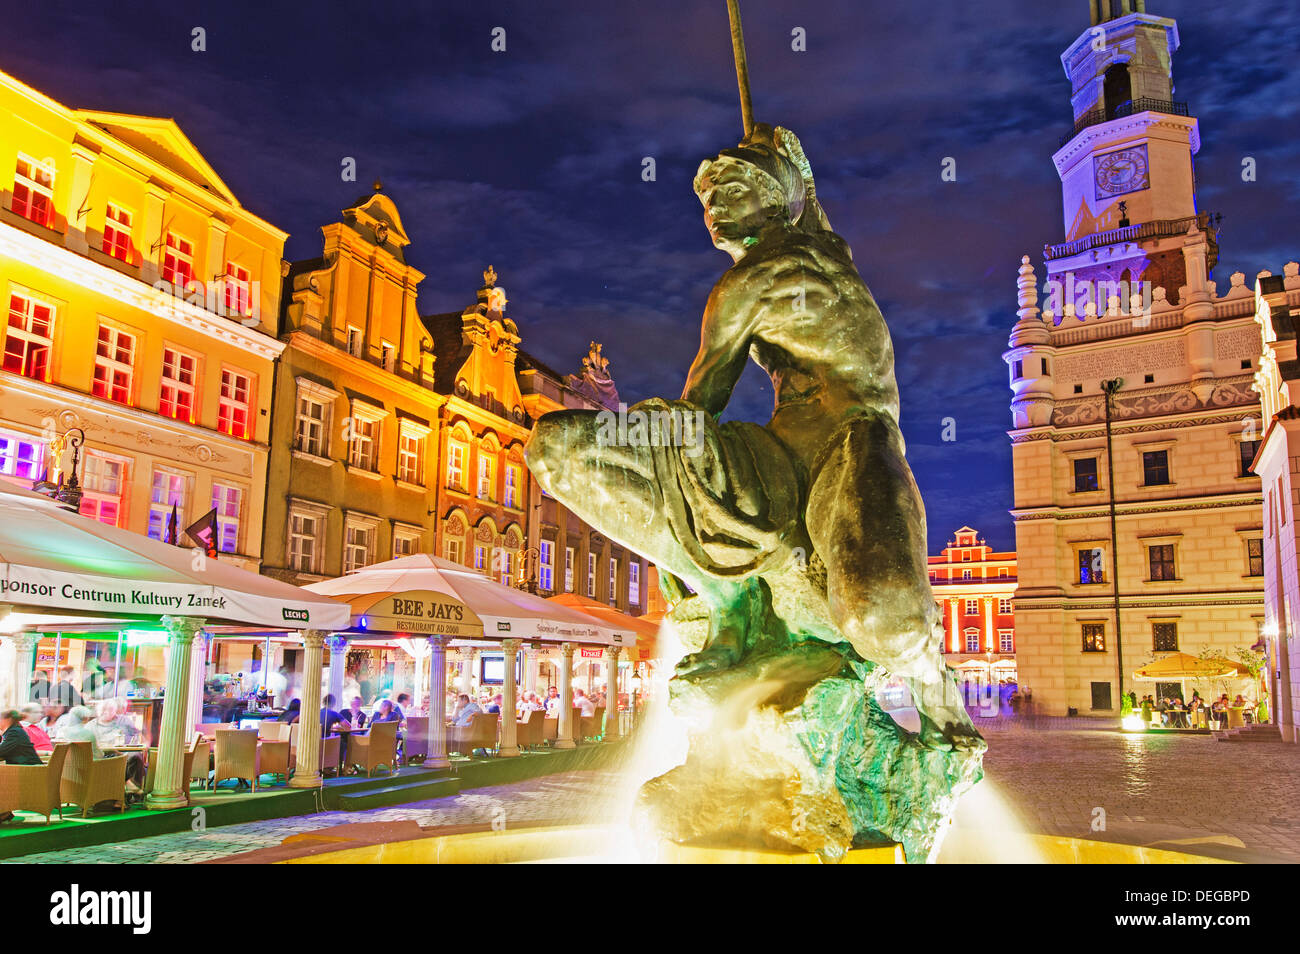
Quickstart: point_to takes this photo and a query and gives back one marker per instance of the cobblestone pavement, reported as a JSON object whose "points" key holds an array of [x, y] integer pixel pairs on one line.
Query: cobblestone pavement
{"points": [[1153, 789]]}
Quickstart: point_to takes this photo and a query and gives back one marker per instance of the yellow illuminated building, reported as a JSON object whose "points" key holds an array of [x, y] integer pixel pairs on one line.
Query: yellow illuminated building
{"points": [[142, 302]]}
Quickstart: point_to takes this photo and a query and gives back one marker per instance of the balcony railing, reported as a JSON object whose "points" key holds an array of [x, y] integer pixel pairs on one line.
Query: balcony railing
{"points": [[1102, 115], [1161, 228]]}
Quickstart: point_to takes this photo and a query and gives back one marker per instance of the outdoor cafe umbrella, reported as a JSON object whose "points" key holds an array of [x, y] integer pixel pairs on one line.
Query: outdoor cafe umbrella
{"points": [[1178, 666], [57, 565], [646, 630]]}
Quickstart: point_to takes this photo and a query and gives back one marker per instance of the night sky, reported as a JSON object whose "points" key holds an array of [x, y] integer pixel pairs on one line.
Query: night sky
{"points": [[531, 160]]}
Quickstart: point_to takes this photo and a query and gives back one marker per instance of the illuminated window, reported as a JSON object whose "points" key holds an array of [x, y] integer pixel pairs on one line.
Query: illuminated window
{"points": [[363, 448], [410, 453], [239, 290], [485, 476], [1091, 566], [176, 399], [512, 485], [358, 545], [456, 452], [232, 411], [634, 583], [1161, 560], [972, 640], [29, 337], [167, 497], [454, 549], [405, 542], [117, 232], [387, 355], [480, 559], [1004, 607], [1255, 557], [305, 528], [1164, 637], [114, 357], [1085, 474], [1006, 641], [1094, 637], [612, 592], [546, 565], [1155, 468], [972, 607], [178, 261], [227, 501], [568, 569], [966, 574], [506, 559], [591, 575], [33, 196], [311, 434], [101, 482], [22, 457], [356, 341]]}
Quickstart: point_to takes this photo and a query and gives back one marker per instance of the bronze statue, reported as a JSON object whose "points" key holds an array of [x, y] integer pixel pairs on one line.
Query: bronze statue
{"points": [[794, 553]]}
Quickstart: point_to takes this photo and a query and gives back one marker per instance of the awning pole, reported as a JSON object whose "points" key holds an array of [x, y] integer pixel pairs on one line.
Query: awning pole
{"points": [[117, 668], [266, 662], [54, 668]]}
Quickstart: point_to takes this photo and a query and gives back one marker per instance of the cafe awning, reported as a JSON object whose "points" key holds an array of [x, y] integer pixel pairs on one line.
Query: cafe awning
{"points": [[1178, 666], [645, 630], [61, 569], [426, 595]]}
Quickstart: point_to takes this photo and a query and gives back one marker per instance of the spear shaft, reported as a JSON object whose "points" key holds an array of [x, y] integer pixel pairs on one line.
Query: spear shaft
{"points": [[742, 65]]}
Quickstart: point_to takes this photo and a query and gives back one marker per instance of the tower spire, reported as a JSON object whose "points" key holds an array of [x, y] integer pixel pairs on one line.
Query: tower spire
{"points": [[1103, 10]]}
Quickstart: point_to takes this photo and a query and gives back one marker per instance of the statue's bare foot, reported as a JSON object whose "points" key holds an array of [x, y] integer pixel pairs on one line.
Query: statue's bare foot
{"points": [[710, 659]]}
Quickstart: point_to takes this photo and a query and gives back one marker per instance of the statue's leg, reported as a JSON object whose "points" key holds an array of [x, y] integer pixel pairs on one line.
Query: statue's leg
{"points": [[867, 524]]}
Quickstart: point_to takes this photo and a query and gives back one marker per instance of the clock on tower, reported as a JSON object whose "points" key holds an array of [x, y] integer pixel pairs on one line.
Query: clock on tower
{"points": [[1121, 172]]}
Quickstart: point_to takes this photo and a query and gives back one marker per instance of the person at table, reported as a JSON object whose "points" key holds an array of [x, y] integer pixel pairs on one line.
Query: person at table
{"points": [[355, 715], [466, 711], [32, 716], [330, 718], [385, 713], [40, 688], [65, 693], [291, 713], [584, 702], [494, 705], [15, 746], [113, 729], [553, 703], [78, 729]]}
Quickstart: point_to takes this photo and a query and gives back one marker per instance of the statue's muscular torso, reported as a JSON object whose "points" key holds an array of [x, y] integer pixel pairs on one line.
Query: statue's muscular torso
{"points": [[796, 304]]}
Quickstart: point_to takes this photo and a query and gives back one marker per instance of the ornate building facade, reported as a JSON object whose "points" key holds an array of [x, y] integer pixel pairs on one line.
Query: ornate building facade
{"points": [[142, 304], [1277, 312], [974, 586], [1129, 304]]}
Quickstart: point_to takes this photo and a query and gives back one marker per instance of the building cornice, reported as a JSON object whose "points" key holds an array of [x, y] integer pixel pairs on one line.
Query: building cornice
{"points": [[309, 345], [45, 256], [1175, 505]]}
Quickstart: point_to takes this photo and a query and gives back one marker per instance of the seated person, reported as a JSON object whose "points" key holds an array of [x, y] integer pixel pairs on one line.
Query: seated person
{"points": [[15, 746], [77, 729], [355, 715], [494, 704], [33, 715], [584, 702], [402, 706], [329, 717], [553, 702], [111, 728], [466, 711], [292, 712], [385, 712]]}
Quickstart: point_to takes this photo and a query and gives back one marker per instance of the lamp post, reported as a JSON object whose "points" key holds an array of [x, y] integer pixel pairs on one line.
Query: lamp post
{"points": [[528, 570], [1110, 388], [67, 492]]}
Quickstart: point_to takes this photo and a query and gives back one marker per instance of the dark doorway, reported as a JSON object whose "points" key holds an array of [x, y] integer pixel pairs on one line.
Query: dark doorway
{"points": [[1169, 690], [1101, 695], [1118, 89]]}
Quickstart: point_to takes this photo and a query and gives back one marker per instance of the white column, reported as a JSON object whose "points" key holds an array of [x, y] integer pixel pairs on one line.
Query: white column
{"points": [[954, 619], [198, 676], [509, 726], [169, 788], [23, 663], [990, 643], [465, 658], [338, 661], [531, 665], [611, 692], [307, 774], [565, 728], [437, 748]]}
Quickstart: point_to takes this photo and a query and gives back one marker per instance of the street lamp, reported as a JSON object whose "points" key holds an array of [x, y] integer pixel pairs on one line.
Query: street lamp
{"points": [[528, 570], [67, 492]]}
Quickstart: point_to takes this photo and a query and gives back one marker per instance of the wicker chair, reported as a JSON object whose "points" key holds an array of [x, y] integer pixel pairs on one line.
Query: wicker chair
{"points": [[273, 758], [594, 724], [187, 771], [550, 729], [88, 781], [481, 733], [377, 747], [330, 749], [415, 744], [236, 756], [34, 788], [270, 731], [201, 764], [208, 730], [528, 731]]}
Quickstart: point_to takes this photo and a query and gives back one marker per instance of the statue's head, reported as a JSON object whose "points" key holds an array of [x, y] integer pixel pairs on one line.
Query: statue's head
{"points": [[765, 179]]}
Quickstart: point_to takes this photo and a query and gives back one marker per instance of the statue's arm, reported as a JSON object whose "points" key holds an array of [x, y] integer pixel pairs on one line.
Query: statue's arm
{"points": [[724, 348]]}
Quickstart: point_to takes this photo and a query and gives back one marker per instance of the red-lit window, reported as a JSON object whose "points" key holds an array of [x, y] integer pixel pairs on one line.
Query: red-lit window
{"points": [[114, 361], [117, 233], [178, 261], [176, 399], [29, 337], [232, 416], [34, 191], [239, 297]]}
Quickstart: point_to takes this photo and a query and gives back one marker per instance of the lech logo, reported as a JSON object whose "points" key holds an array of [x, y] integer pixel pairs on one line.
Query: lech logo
{"points": [[503, 627], [295, 615]]}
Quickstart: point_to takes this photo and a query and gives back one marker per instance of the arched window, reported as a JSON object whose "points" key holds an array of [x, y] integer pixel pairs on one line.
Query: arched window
{"points": [[1117, 88]]}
